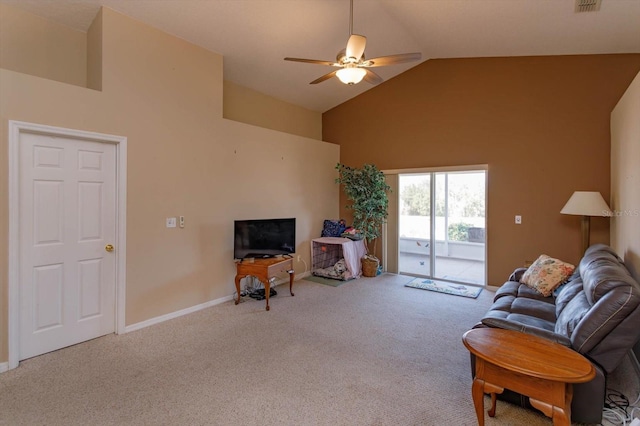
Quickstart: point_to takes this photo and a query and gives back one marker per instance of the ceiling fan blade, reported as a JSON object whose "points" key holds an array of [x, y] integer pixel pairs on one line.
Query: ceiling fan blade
{"points": [[355, 46], [392, 59], [324, 77], [372, 77], [312, 61]]}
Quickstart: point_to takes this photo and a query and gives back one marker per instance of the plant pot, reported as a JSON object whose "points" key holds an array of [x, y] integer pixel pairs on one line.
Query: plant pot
{"points": [[370, 266]]}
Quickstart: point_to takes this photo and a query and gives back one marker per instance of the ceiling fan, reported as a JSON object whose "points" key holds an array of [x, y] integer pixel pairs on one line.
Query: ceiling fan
{"points": [[351, 63]]}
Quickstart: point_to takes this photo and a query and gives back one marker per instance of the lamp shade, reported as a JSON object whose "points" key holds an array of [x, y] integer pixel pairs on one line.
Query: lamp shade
{"points": [[586, 203], [351, 75]]}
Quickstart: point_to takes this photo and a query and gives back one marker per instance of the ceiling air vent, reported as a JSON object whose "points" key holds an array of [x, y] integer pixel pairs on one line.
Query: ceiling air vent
{"points": [[587, 5]]}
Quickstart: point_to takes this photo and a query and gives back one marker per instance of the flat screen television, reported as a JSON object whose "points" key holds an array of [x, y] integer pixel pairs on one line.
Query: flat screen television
{"points": [[263, 238]]}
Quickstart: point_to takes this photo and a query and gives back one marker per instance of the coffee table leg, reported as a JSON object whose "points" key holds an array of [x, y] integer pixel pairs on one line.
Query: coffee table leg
{"points": [[492, 410], [477, 393], [560, 417]]}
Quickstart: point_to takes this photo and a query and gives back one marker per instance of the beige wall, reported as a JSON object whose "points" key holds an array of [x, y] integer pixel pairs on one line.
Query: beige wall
{"points": [[540, 123], [625, 177], [37, 46], [252, 107], [94, 53], [165, 96]]}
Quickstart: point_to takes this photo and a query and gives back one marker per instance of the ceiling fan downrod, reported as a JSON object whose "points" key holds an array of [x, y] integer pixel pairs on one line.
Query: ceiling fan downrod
{"points": [[350, 17]]}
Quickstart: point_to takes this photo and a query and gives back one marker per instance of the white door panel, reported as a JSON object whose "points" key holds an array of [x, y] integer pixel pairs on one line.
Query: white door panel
{"points": [[67, 209], [47, 290]]}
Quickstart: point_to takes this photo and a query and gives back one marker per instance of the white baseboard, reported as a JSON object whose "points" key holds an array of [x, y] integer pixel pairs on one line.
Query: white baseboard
{"points": [[4, 366], [297, 278], [192, 309], [176, 314]]}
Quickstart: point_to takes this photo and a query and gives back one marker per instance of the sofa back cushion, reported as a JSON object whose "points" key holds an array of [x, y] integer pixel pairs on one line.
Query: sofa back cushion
{"points": [[608, 307], [572, 312], [602, 271], [568, 292]]}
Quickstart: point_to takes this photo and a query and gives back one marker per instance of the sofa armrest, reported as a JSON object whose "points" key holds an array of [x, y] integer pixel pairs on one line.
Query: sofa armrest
{"points": [[517, 274], [508, 324]]}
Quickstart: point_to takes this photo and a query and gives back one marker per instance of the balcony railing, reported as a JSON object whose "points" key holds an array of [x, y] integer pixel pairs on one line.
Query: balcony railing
{"points": [[455, 260]]}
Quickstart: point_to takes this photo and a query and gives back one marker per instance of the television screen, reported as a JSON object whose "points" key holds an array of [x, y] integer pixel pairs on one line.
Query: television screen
{"points": [[264, 237]]}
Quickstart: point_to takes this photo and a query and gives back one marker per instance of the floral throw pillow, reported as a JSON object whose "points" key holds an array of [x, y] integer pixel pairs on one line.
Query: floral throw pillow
{"points": [[546, 274]]}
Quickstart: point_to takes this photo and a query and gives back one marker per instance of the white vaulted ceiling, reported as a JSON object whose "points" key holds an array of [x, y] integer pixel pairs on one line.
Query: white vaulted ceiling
{"points": [[255, 35]]}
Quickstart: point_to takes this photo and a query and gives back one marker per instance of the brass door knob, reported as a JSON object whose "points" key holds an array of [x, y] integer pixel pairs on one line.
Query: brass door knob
{"points": [[108, 248]]}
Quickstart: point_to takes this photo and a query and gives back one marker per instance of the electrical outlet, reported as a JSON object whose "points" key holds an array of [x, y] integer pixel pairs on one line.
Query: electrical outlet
{"points": [[518, 219], [181, 221]]}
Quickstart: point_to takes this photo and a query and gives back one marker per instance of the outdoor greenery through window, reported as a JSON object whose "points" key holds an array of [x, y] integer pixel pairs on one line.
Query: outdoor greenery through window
{"points": [[442, 225], [464, 205]]}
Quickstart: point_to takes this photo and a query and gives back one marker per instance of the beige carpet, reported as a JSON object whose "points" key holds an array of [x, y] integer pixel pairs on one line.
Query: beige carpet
{"points": [[370, 352]]}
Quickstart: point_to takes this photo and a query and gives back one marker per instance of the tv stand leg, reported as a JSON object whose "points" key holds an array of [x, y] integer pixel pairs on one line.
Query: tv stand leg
{"points": [[291, 276], [267, 290], [238, 278]]}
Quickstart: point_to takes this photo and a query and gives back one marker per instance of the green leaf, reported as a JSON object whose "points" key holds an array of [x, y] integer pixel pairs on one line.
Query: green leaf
{"points": [[367, 189]]}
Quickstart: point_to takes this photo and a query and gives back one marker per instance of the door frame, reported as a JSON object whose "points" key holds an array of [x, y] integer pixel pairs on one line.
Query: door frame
{"points": [[390, 229], [16, 128]]}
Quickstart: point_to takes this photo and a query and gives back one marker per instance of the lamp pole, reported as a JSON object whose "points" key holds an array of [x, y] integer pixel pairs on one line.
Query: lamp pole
{"points": [[586, 204], [586, 229]]}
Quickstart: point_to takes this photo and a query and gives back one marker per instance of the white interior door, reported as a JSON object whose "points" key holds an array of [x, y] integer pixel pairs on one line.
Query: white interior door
{"points": [[67, 207]]}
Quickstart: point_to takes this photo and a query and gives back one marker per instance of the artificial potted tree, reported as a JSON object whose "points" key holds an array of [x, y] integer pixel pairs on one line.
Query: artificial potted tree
{"points": [[366, 189]]}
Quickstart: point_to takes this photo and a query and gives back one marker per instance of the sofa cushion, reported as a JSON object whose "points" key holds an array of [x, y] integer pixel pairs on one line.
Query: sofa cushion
{"points": [[519, 299], [547, 273], [502, 319], [613, 297], [571, 315], [510, 288], [602, 275], [533, 307], [525, 324], [517, 289], [513, 309], [569, 291]]}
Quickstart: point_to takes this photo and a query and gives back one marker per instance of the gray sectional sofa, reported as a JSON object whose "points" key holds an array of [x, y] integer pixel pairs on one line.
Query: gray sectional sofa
{"points": [[596, 313]]}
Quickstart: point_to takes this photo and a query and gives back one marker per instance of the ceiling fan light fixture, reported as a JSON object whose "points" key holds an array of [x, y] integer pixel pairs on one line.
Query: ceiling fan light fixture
{"points": [[351, 75], [351, 60]]}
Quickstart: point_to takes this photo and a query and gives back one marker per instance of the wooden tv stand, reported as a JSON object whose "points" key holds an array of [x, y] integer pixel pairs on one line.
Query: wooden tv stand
{"points": [[264, 270]]}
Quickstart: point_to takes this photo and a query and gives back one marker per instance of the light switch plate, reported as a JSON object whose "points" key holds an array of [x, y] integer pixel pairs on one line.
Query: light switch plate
{"points": [[171, 222], [518, 219]]}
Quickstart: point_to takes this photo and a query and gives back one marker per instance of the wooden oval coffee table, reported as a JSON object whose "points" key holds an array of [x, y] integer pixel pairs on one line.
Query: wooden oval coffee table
{"points": [[530, 365]]}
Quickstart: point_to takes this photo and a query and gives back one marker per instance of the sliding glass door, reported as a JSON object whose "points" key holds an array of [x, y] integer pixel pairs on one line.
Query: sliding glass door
{"points": [[414, 242], [442, 225]]}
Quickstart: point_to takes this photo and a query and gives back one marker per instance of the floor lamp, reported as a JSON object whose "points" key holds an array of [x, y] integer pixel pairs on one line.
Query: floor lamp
{"points": [[586, 204]]}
